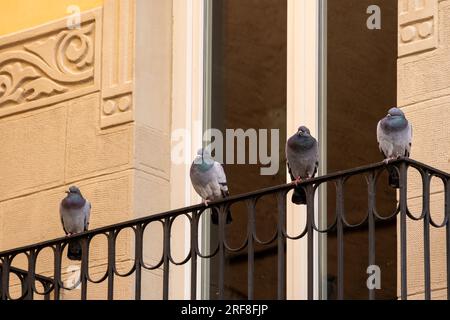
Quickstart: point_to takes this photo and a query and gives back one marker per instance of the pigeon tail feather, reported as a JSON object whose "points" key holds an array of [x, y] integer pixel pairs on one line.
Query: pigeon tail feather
{"points": [[394, 179], [215, 216], [299, 196], [74, 250]]}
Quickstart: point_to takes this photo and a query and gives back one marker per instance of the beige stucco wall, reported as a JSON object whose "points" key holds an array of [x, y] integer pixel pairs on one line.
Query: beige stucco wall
{"points": [[424, 95], [99, 118]]}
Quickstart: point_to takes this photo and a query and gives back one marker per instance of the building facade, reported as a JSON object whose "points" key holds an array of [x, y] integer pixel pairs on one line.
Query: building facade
{"points": [[99, 94]]}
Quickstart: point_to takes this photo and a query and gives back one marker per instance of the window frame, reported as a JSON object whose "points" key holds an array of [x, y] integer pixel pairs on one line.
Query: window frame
{"points": [[306, 104]]}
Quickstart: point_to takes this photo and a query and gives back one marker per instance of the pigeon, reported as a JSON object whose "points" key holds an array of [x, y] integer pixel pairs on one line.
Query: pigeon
{"points": [[209, 181], [302, 154], [75, 212], [394, 134]]}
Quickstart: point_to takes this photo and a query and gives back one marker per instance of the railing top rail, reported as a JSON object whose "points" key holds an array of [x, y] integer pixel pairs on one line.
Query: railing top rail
{"points": [[232, 199]]}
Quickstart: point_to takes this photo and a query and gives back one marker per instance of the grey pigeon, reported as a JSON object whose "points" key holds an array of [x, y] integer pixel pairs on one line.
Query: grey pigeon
{"points": [[75, 212], [302, 154], [209, 181], [394, 135]]}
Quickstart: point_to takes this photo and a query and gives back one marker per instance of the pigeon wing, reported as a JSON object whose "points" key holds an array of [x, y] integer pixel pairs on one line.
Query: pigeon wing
{"points": [[87, 214], [381, 142], [62, 223], [199, 181], [316, 158], [62, 212], [221, 179], [316, 167], [290, 171]]}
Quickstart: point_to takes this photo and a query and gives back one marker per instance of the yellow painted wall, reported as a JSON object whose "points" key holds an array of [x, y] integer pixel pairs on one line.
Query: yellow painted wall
{"points": [[17, 15]]}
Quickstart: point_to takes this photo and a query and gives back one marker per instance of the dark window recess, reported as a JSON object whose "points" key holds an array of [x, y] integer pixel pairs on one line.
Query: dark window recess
{"points": [[249, 61], [362, 86]]}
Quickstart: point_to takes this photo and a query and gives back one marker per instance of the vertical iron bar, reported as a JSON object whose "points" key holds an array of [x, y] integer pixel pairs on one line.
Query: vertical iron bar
{"points": [[57, 271], [84, 267], [166, 251], [112, 236], [447, 231], [194, 245], [30, 277], [310, 220], [281, 197], [137, 262], [1, 281], [23, 284], [371, 190], [46, 286], [340, 238], [403, 235], [426, 235], [221, 252], [251, 249], [5, 277]]}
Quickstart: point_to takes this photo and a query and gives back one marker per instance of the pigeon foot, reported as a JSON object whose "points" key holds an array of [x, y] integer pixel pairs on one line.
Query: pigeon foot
{"points": [[387, 160], [297, 181]]}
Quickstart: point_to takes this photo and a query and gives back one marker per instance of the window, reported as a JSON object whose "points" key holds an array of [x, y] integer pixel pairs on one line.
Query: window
{"points": [[278, 64]]}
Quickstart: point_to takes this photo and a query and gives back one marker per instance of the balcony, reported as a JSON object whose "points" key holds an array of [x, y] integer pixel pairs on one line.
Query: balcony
{"points": [[50, 286]]}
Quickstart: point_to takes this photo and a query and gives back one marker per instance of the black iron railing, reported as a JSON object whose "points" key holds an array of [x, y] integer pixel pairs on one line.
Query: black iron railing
{"points": [[25, 279], [54, 284]]}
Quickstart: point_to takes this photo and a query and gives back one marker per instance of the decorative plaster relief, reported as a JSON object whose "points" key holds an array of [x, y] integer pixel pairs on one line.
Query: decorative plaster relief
{"points": [[117, 110], [118, 63], [418, 22], [49, 64]]}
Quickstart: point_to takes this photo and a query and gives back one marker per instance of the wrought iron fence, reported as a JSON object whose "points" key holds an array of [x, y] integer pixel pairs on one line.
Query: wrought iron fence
{"points": [[25, 281], [53, 285]]}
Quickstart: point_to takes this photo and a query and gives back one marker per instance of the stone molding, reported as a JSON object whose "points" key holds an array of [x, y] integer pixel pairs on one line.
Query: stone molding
{"points": [[118, 63], [417, 26]]}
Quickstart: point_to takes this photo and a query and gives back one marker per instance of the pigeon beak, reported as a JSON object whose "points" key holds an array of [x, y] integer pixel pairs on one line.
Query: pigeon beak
{"points": [[67, 192]]}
